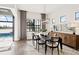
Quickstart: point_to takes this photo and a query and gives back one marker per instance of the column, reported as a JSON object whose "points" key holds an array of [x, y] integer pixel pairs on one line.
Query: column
{"points": [[23, 24], [43, 17]]}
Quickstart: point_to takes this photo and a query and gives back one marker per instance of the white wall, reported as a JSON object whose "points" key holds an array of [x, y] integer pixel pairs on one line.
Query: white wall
{"points": [[33, 15], [16, 24], [65, 10]]}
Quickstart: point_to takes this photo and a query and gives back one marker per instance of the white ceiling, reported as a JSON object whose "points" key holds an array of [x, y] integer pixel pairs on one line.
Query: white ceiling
{"points": [[40, 8]]}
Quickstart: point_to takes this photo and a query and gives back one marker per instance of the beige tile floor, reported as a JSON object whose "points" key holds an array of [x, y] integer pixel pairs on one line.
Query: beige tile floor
{"points": [[26, 48]]}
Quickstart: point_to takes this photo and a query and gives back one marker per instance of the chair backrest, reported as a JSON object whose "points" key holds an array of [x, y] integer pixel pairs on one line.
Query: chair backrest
{"points": [[35, 36], [42, 34], [55, 40]]}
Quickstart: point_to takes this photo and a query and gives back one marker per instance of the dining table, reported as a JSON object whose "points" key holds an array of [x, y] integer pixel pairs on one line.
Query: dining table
{"points": [[46, 38]]}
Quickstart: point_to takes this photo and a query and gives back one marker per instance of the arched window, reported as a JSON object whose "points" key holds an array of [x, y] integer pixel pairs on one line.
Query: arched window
{"points": [[6, 27]]}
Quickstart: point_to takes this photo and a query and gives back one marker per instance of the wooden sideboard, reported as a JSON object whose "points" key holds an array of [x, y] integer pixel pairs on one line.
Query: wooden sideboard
{"points": [[68, 39]]}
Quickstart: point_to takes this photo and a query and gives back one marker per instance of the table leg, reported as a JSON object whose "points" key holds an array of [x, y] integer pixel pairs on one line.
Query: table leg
{"points": [[60, 40], [36, 44]]}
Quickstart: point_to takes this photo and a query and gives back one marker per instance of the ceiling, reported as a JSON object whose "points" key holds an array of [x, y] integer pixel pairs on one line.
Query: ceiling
{"points": [[39, 8]]}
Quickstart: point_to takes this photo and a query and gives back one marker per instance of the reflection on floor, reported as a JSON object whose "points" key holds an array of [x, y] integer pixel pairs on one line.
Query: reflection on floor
{"points": [[5, 42], [26, 48]]}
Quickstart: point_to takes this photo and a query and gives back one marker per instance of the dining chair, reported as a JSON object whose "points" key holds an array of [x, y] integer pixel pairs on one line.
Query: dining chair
{"points": [[53, 43], [40, 41], [34, 39]]}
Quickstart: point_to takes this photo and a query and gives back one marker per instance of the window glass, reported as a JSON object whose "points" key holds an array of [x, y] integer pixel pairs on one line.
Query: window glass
{"points": [[6, 21], [6, 18], [2, 18], [33, 25]]}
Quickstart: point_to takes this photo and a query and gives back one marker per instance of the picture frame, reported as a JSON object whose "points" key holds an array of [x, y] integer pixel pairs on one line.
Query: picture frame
{"points": [[63, 19], [77, 15]]}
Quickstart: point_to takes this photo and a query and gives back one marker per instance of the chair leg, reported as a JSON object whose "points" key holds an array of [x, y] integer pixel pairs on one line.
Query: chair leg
{"points": [[61, 51], [52, 51], [58, 50], [33, 43], [38, 47], [36, 44], [45, 49]]}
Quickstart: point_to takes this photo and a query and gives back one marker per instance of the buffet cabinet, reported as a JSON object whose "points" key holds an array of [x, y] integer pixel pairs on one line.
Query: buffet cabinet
{"points": [[68, 39]]}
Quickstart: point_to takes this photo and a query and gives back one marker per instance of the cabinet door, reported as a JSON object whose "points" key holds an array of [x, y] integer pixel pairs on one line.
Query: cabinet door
{"points": [[65, 39], [72, 41], [69, 40]]}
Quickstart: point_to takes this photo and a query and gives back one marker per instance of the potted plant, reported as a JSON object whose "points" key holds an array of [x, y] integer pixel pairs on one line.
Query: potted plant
{"points": [[43, 31]]}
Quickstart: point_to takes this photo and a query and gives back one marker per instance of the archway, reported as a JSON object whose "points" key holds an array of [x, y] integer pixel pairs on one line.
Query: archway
{"points": [[6, 29]]}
